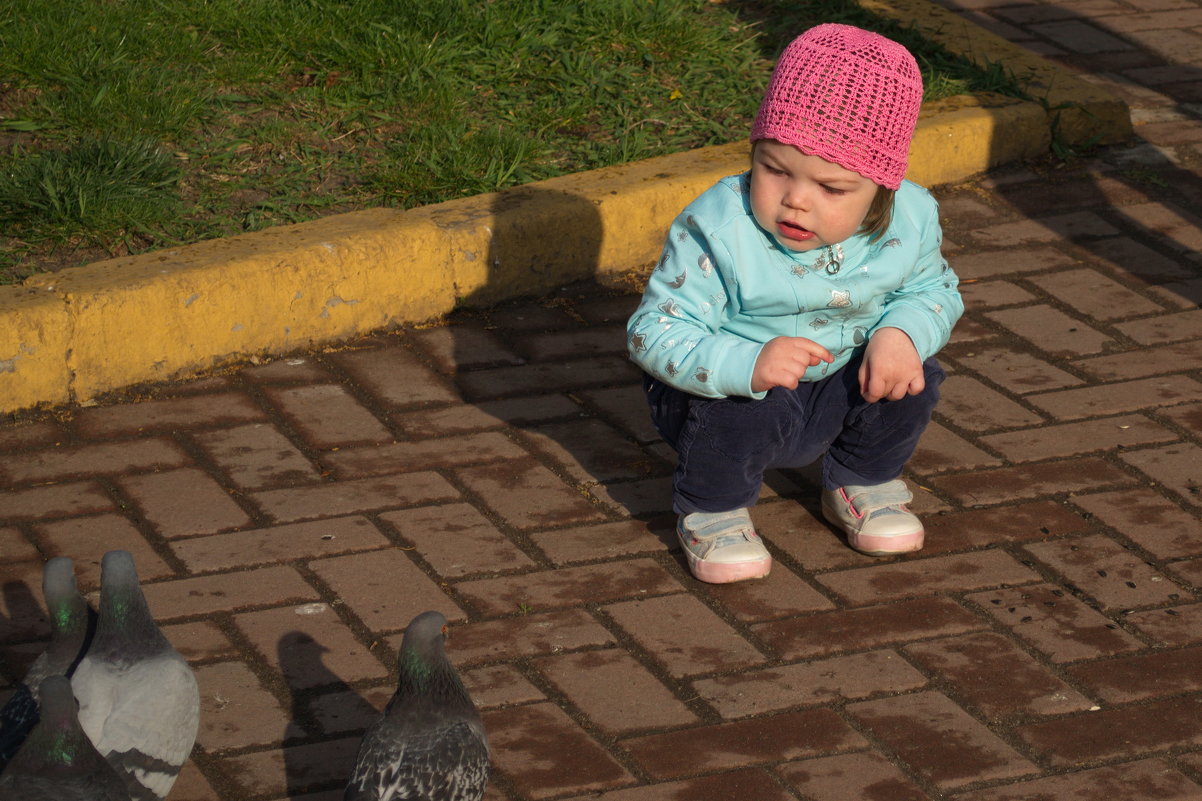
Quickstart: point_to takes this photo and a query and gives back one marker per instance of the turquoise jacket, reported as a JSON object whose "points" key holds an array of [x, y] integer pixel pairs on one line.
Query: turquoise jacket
{"points": [[724, 287]]}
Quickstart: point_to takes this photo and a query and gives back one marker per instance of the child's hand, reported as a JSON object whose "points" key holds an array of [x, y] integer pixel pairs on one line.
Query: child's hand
{"points": [[782, 362], [891, 367]]}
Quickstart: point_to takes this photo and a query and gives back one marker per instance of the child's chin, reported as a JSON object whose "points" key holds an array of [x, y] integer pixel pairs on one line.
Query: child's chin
{"points": [[799, 246]]}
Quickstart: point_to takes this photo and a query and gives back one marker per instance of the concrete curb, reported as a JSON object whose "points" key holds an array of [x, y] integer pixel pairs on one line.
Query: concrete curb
{"points": [[70, 336]]}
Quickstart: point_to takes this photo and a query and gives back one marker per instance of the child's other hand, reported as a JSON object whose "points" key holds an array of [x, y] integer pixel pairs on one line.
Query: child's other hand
{"points": [[891, 368], [783, 361]]}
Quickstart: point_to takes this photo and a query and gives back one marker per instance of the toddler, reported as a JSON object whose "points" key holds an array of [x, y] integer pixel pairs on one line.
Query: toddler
{"points": [[796, 309]]}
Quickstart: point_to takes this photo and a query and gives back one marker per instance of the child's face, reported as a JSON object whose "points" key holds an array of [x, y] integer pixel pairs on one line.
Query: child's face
{"points": [[806, 202]]}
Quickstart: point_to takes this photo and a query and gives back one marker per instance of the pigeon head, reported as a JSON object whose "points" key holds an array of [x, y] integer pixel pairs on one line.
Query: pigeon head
{"points": [[71, 622], [125, 622], [58, 742], [425, 671]]}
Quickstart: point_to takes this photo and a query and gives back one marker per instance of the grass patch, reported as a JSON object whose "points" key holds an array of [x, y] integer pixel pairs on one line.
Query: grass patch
{"points": [[126, 127]]}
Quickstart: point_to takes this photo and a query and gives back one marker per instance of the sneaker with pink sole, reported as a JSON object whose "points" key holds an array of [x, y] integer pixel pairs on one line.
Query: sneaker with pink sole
{"points": [[722, 546], [875, 518]]}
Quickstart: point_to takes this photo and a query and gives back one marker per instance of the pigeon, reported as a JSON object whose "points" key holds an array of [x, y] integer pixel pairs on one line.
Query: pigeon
{"points": [[138, 698], [430, 744], [57, 761], [71, 624]]}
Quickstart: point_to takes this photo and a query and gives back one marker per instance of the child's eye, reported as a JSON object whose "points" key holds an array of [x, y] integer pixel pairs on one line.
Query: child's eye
{"points": [[831, 190], [772, 170]]}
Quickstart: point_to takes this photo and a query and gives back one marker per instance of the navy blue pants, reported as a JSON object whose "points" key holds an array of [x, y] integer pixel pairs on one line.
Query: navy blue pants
{"points": [[724, 445]]}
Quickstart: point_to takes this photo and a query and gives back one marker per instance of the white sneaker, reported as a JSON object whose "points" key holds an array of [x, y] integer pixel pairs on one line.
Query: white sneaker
{"points": [[722, 546], [875, 519]]}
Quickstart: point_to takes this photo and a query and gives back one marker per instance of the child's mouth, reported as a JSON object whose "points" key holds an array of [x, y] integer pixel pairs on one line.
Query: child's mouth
{"points": [[793, 231]]}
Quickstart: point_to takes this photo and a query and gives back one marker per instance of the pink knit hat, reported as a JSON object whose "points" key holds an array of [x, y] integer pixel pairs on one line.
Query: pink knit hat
{"points": [[846, 95]]}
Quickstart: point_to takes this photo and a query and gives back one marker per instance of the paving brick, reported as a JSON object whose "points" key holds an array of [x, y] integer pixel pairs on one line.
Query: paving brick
{"points": [[749, 783], [191, 785], [784, 594], [426, 454], [939, 740], [529, 379], [1081, 37], [1171, 626], [603, 541], [290, 770], [15, 547], [1167, 221], [235, 710], [590, 450], [527, 636], [101, 459], [1055, 623], [992, 675], [862, 776], [499, 685], [993, 264], [568, 586], [542, 752], [1130, 258], [328, 416], [456, 539], [182, 502], [310, 646], [1148, 519], [221, 409], [201, 641], [524, 411], [1151, 778], [87, 539], [1049, 442], [1123, 732], [1141, 676], [976, 407], [265, 586], [907, 579], [986, 294], [1026, 233], [1188, 416], [297, 541], [684, 635], [341, 711], [941, 450], [30, 434], [384, 589], [456, 347], [617, 693], [1178, 467], [526, 494], [288, 370], [626, 408], [978, 528], [1095, 295], [22, 613], [822, 681], [1115, 577], [841, 631], [395, 376], [257, 456], [1019, 372], [1052, 331], [766, 739], [352, 497], [1164, 328], [573, 344], [446, 420], [61, 500], [1008, 484]]}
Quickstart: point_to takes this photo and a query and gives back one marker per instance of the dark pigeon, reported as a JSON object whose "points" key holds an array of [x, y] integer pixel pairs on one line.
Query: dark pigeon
{"points": [[71, 624], [138, 698], [58, 762], [430, 744]]}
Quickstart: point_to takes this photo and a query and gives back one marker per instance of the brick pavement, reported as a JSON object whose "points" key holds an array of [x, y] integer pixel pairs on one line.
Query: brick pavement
{"points": [[290, 517]]}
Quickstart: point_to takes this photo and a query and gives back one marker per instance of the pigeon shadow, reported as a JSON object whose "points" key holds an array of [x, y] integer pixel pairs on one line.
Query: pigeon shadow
{"points": [[323, 712]]}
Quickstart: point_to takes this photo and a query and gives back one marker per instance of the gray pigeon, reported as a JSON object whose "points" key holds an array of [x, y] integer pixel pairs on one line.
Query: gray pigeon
{"points": [[430, 744], [58, 762], [138, 698], [71, 625]]}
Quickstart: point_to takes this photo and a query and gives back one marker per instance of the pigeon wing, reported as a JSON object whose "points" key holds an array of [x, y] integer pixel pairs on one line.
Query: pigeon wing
{"points": [[444, 763]]}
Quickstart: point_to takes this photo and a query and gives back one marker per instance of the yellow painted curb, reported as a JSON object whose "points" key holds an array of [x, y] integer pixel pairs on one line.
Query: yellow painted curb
{"points": [[70, 336]]}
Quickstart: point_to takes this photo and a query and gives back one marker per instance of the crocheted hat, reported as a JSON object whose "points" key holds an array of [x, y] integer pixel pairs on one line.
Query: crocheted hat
{"points": [[846, 95]]}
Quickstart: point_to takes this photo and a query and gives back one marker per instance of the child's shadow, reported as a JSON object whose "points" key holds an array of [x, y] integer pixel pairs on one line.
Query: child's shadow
{"points": [[326, 720]]}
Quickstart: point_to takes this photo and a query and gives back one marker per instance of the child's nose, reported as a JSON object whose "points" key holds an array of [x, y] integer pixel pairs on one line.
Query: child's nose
{"points": [[797, 197]]}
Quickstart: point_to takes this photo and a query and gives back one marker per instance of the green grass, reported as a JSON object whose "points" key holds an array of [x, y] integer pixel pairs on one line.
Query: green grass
{"points": [[127, 126]]}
